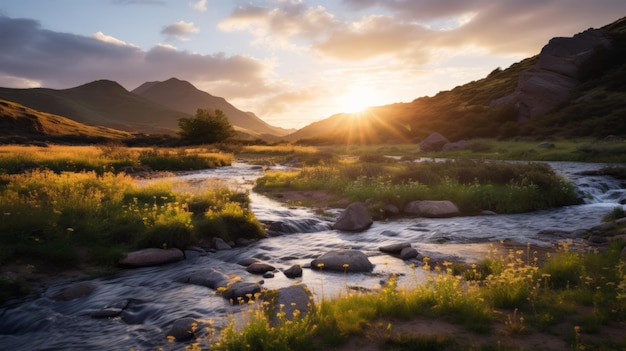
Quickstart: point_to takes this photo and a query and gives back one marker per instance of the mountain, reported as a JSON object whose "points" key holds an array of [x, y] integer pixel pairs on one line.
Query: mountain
{"points": [[182, 96], [100, 103], [575, 87], [22, 122]]}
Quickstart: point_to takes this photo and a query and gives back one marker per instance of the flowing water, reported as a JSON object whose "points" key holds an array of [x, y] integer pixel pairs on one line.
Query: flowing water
{"points": [[155, 299]]}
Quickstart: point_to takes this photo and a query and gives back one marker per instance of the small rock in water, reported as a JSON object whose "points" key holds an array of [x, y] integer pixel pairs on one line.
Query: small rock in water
{"points": [[408, 253], [260, 268], [183, 329], [394, 248], [268, 275], [75, 291], [247, 261], [220, 244], [294, 271]]}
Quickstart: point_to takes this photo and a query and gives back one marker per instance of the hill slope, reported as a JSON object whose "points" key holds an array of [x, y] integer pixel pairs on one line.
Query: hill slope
{"points": [[21, 121], [574, 87], [183, 96], [100, 103]]}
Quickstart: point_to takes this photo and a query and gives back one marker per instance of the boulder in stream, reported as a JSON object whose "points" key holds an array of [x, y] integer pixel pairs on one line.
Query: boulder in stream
{"points": [[287, 303], [354, 218], [260, 268], [183, 329], [74, 291], [343, 261], [294, 271], [151, 257]]}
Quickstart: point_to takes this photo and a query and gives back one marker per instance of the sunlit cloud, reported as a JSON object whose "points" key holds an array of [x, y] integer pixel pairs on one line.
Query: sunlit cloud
{"points": [[199, 5], [109, 39], [180, 30]]}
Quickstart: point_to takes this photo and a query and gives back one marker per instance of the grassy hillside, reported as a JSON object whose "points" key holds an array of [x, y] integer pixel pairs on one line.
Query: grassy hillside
{"points": [[597, 108], [101, 102], [19, 120]]}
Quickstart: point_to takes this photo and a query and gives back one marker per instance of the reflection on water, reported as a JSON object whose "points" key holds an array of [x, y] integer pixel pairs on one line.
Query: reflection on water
{"points": [[155, 298]]}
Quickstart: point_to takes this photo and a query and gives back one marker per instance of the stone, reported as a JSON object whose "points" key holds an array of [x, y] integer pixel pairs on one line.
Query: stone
{"points": [[183, 329], [597, 239], [430, 208], [248, 261], [294, 271], [151, 257], [210, 278], [354, 218], [288, 300], [343, 261], [74, 291], [110, 311], [394, 248], [391, 210], [241, 291], [433, 142], [268, 275], [260, 268], [220, 244], [408, 253]]}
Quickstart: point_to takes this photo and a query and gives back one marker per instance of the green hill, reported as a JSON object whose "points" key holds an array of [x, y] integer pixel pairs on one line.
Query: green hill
{"points": [[576, 87], [18, 122]]}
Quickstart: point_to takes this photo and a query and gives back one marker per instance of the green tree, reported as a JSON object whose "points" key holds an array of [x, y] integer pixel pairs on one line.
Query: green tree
{"points": [[206, 127]]}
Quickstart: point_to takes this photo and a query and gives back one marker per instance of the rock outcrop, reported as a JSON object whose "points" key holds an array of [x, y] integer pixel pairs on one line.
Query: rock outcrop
{"points": [[433, 142], [555, 74]]}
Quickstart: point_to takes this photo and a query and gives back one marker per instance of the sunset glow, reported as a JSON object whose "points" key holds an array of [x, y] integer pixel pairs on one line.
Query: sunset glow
{"points": [[290, 62]]}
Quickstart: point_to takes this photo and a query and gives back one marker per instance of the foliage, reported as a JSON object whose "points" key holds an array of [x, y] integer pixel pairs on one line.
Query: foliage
{"points": [[473, 185], [205, 127], [518, 294], [47, 217]]}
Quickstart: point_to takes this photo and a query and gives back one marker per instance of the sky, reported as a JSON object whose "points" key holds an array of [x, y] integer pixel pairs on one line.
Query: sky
{"points": [[291, 62]]}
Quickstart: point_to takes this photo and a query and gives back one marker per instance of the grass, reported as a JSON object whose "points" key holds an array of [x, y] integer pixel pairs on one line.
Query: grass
{"points": [[473, 185], [108, 158], [518, 297]]}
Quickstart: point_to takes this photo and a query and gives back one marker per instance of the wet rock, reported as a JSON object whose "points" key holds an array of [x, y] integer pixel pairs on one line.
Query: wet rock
{"points": [[354, 218], [247, 261], [241, 291], [289, 300], [488, 213], [430, 208], [268, 275], [408, 253], [294, 271], [183, 329], [243, 242], [343, 260], [597, 239], [210, 278], [110, 311], [220, 244], [391, 210], [394, 248], [433, 142], [389, 233], [260, 268], [151, 257], [74, 291]]}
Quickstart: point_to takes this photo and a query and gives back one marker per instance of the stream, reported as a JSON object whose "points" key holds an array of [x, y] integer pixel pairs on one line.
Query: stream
{"points": [[155, 299]]}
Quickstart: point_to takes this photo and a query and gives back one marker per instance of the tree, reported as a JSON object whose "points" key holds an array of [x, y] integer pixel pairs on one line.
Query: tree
{"points": [[205, 127]]}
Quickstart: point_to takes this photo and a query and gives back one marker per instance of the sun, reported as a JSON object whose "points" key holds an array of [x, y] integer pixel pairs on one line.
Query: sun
{"points": [[357, 100]]}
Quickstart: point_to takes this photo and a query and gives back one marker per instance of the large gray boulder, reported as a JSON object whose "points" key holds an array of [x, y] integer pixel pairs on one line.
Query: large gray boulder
{"points": [[554, 76], [343, 261], [354, 218], [151, 257], [433, 142], [430, 208]]}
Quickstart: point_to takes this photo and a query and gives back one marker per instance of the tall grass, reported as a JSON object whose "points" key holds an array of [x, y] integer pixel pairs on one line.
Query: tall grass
{"points": [[473, 185], [53, 217], [511, 292], [107, 158]]}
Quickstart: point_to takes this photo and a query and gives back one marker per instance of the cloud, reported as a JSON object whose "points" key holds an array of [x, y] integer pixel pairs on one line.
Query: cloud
{"points": [[199, 5], [34, 56], [180, 30]]}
